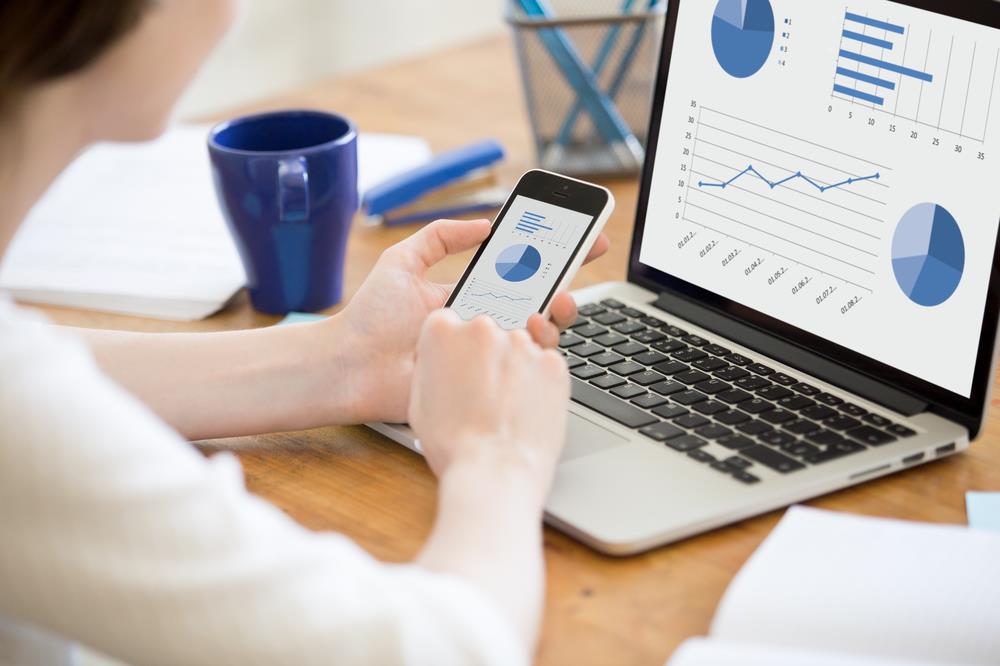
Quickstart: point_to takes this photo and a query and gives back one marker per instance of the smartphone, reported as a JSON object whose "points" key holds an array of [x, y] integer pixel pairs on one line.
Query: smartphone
{"points": [[537, 244]]}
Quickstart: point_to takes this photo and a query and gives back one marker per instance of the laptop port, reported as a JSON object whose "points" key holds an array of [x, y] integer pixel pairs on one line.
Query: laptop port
{"points": [[945, 450], [915, 458]]}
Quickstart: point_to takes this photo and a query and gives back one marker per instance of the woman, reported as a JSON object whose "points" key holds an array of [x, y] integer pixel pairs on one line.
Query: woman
{"points": [[116, 533]]}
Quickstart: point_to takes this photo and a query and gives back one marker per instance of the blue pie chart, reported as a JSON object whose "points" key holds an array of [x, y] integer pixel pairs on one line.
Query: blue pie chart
{"points": [[517, 263], [742, 35], [928, 254]]}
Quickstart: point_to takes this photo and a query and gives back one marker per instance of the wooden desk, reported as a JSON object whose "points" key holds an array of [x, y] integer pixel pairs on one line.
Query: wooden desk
{"points": [[600, 610]]}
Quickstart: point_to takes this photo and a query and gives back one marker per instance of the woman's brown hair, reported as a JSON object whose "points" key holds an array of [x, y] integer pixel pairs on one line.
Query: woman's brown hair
{"points": [[41, 40]]}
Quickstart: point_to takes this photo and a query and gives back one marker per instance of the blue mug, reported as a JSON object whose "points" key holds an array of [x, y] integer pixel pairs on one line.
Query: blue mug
{"points": [[287, 182]]}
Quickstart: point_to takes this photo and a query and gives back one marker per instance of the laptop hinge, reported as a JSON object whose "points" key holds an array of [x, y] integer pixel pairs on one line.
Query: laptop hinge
{"points": [[793, 355]]}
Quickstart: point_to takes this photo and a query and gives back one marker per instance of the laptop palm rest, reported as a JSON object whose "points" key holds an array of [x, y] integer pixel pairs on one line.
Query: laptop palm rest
{"points": [[584, 437]]}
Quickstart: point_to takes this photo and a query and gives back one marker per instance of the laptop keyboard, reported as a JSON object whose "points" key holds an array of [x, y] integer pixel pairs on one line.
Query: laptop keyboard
{"points": [[687, 392]]}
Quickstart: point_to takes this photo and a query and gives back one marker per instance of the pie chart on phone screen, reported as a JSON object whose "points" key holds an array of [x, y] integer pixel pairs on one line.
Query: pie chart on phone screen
{"points": [[517, 263]]}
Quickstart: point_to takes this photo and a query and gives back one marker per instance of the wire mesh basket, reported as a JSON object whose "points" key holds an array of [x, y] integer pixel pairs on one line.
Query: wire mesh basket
{"points": [[588, 69]]}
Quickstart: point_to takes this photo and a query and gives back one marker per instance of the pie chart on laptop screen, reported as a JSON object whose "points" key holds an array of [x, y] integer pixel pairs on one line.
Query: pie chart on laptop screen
{"points": [[742, 35], [928, 254], [517, 263]]}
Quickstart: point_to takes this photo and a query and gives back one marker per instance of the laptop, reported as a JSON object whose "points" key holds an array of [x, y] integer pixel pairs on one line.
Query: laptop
{"points": [[812, 294]]}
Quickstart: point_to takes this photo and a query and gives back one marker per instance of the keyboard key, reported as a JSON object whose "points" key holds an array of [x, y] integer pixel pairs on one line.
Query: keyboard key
{"points": [[695, 340], [760, 369], [629, 327], [661, 431], [853, 410], [670, 367], [648, 336], [776, 438], [716, 350], [668, 346], [841, 423], [649, 358], [701, 456], [782, 379], [691, 376], [737, 463], [653, 322], [774, 393], [710, 364], [746, 477], [627, 368], [771, 458], [712, 431], [609, 318], [610, 339], [587, 350], [829, 399], [608, 381], [800, 449], [731, 373], [612, 303], [817, 412], [632, 312], [734, 396], [731, 417], [722, 467], [712, 386], [805, 389], [825, 438], [670, 411], [590, 309], [754, 427], [870, 436], [574, 362], [755, 406], [686, 443], [646, 378], [876, 420], [737, 442], [606, 359], [753, 383], [901, 430], [795, 402], [676, 332], [691, 421], [628, 391], [800, 427], [587, 372], [778, 416], [589, 330], [649, 401], [738, 359], [668, 388], [834, 452], [610, 406], [630, 348], [688, 397], [567, 340], [710, 407], [689, 355]]}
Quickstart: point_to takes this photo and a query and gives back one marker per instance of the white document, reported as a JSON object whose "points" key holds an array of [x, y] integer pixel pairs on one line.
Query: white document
{"points": [[137, 229], [828, 589]]}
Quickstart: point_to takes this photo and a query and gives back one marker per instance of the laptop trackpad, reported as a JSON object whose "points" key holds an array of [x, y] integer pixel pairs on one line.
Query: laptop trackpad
{"points": [[585, 437]]}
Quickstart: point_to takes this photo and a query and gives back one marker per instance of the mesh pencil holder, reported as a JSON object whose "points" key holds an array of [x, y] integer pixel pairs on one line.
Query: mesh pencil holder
{"points": [[588, 70]]}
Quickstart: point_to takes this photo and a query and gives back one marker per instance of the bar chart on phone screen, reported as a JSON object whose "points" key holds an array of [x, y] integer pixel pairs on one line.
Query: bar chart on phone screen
{"points": [[845, 183]]}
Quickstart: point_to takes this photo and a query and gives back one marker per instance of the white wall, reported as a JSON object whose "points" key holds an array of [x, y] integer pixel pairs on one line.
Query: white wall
{"points": [[280, 44]]}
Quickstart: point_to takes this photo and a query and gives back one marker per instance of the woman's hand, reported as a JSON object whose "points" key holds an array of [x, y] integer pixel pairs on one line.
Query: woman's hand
{"points": [[380, 326], [488, 398]]}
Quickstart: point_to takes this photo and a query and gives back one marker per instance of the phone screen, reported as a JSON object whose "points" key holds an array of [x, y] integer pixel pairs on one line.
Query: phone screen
{"points": [[516, 272]]}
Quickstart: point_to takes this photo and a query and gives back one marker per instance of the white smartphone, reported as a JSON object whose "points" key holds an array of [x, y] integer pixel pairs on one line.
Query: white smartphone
{"points": [[537, 244]]}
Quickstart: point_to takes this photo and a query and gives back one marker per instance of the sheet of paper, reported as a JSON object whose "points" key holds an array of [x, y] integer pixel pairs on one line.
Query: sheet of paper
{"points": [[701, 652], [832, 582], [136, 228], [983, 510]]}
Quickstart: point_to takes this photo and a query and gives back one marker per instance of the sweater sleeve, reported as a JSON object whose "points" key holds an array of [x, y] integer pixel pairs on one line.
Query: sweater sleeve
{"points": [[117, 534]]}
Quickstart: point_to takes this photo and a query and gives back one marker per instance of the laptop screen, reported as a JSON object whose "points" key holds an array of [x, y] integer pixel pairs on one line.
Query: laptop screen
{"points": [[835, 167]]}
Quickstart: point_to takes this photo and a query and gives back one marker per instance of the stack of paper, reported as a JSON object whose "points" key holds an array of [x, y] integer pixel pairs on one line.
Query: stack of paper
{"points": [[829, 589], [136, 229]]}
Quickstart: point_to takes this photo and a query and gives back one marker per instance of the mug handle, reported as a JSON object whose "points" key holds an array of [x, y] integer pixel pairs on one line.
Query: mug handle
{"points": [[293, 189]]}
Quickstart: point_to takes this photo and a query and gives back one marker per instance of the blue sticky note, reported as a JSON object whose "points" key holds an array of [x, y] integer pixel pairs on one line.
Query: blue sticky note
{"points": [[300, 318], [983, 510]]}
